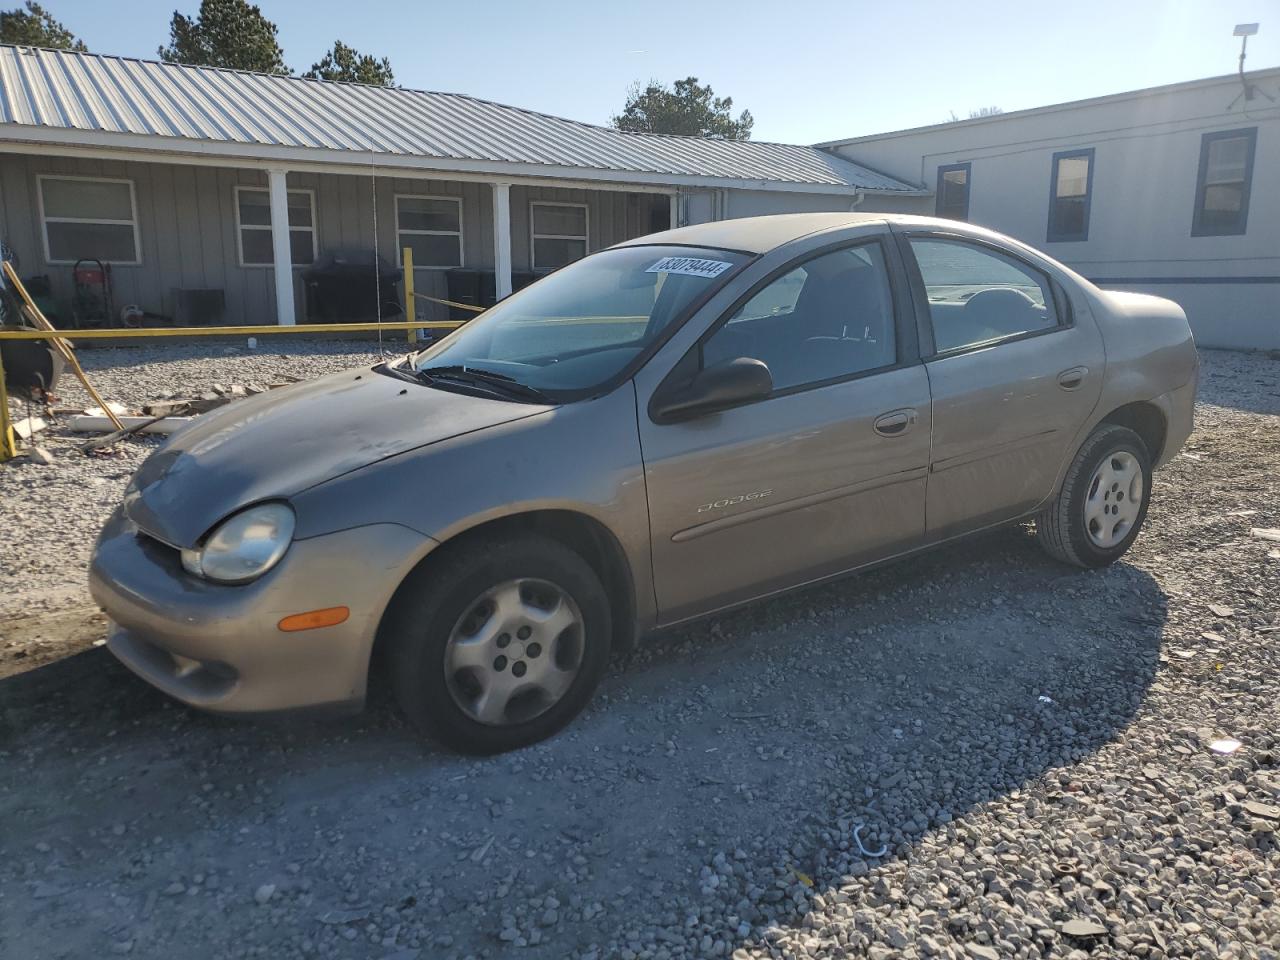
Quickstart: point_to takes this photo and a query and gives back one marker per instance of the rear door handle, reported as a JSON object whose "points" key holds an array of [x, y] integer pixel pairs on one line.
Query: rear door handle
{"points": [[894, 423], [1070, 379]]}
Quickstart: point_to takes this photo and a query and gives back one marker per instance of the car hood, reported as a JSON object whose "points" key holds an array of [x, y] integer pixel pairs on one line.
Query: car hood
{"points": [[281, 442]]}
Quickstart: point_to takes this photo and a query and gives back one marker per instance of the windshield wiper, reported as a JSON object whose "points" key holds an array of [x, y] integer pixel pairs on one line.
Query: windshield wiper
{"points": [[458, 373]]}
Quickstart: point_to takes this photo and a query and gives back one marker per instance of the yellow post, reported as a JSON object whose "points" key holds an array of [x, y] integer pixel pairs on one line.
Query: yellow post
{"points": [[410, 306], [8, 448]]}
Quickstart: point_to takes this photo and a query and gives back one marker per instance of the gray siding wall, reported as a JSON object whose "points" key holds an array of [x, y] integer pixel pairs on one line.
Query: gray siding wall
{"points": [[187, 228]]}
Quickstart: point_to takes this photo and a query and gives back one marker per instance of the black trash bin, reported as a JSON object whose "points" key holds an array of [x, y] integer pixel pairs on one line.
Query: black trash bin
{"points": [[343, 286], [464, 286], [31, 367]]}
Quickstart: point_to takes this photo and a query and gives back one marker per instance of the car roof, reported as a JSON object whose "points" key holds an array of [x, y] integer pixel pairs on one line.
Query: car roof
{"points": [[754, 234], [759, 234]]}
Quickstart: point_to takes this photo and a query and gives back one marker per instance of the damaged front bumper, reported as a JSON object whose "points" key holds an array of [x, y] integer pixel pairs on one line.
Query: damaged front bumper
{"points": [[219, 647]]}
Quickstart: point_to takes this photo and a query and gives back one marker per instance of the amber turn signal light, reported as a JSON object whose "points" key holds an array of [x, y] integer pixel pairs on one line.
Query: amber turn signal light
{"points": [[328, 617]]}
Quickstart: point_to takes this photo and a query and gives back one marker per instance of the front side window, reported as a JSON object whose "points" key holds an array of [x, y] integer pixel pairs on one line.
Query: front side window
{"points": [[432, 228], [86, 218], [1070, 195], [253, 224], [830, 317], [578, 328], [952, 200], [978, 295], [559, 234], [1222, 187]]}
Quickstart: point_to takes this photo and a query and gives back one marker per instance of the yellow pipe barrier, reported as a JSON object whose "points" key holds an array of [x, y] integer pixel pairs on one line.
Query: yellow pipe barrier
{"points": [[410, 308], [8, 446], [122, 333], [452, 303]]}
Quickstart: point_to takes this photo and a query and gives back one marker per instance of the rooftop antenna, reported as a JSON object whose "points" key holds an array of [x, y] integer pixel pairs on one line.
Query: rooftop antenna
{"points": [[1244, 31]]}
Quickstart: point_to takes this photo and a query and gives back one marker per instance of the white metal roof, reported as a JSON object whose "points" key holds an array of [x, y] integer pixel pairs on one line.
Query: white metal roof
{"points": [[68, 98], [995, 119]]}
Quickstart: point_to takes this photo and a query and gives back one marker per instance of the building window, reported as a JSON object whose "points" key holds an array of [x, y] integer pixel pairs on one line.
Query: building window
{"points": [[1222, 186], [953, 191], [432, 228], [1070, 193], [89, 218], [559, 234], [253, 226]]}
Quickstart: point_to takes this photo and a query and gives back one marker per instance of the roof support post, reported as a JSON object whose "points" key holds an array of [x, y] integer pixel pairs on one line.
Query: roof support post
{"points": [[675, 210], [502, 239], [282, 255]]}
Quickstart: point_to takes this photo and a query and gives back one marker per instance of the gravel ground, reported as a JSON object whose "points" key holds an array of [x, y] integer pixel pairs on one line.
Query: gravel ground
{"points": [[974, 754]]}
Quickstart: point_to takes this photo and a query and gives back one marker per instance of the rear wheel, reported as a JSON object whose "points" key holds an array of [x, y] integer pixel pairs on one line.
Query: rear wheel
{"points": [[1103, 502], [499, 644]]}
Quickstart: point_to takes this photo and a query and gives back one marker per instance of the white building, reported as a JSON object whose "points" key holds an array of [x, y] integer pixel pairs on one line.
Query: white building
{"points": [[1174, 190]]}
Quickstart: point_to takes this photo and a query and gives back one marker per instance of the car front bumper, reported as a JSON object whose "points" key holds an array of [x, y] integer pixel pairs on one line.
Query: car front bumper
{"points": [[219, 647]]}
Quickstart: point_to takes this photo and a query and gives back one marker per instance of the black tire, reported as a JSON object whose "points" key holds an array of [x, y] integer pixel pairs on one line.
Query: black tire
{"points": [[435, 597], [1061, 526]]}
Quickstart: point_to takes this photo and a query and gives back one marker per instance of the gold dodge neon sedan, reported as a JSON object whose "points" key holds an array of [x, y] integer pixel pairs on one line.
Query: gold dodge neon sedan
{"points": [[662, 430]]}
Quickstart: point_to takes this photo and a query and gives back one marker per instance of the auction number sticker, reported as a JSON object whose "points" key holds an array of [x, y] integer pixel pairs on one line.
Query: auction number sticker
{"points": [[690, 267]]}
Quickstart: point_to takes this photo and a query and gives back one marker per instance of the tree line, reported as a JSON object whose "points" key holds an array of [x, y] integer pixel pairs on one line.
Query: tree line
{"points": [[224, 33]]}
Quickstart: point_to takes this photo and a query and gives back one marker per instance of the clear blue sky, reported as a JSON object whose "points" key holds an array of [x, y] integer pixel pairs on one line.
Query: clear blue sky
{"points": [[808, 71]]}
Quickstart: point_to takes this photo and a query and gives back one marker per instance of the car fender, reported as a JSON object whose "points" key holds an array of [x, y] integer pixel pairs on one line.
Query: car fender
{"points": [[582, 458]]}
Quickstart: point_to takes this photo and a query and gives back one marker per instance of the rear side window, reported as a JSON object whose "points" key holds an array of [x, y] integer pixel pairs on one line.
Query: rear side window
{"points": [[978, 295], [830, 317]]}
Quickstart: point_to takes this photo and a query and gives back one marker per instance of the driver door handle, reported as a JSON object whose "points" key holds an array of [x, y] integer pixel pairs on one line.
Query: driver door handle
{"points": [[1070, 379], [894, 423]]}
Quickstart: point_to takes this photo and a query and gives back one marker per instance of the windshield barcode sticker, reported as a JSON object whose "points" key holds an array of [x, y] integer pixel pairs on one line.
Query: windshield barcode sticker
{"points": [[690, 267]]}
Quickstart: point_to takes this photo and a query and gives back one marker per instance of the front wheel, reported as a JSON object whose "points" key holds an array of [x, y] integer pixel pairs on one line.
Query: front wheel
{"points": [[498, 644], [1103, 502]]}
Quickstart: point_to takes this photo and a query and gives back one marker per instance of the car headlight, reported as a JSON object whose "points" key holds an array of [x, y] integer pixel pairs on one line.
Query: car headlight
{"points": [[244, 546]]}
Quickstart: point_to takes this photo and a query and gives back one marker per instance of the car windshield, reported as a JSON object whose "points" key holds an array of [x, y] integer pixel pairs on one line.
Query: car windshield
{"points": [[573, 331]]}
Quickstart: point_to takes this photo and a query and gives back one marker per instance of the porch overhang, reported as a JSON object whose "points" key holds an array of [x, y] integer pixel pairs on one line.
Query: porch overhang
{"points": [[106, 145]]}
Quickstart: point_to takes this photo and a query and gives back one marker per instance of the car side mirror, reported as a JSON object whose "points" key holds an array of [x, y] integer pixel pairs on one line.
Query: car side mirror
{"points": [[716, 388]]}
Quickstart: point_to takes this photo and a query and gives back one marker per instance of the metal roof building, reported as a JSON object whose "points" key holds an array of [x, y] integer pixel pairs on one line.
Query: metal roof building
{"points": [[63, 97], [192, 178]]}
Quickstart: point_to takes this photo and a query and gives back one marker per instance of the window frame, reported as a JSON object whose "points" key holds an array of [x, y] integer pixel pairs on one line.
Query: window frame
{"points": [[1249, 134], [906, 349], [967, 167], [46, 220], [241, 227], [534, 236], [1053, 233], [920, 296], [460, 233]]}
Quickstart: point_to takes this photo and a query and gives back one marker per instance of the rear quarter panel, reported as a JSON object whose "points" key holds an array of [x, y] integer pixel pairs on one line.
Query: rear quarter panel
{"points": [[1151, 357]]}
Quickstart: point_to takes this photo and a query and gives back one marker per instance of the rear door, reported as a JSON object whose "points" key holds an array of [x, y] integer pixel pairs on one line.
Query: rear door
{"points": [[826, 473], [1014, 369]]}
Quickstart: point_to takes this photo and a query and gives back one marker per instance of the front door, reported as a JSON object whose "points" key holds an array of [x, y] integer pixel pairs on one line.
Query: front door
{"points": [[825, 474], [1015, 373]]}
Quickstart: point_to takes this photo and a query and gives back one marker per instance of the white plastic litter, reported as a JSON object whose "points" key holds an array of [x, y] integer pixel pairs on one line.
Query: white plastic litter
{"points": [[1226, 745], [863, 850]]}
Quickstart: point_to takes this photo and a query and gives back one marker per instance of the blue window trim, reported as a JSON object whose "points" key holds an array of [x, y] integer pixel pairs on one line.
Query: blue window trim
{"points": [[1054, 234], [1197, 227], [968, 187]]}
